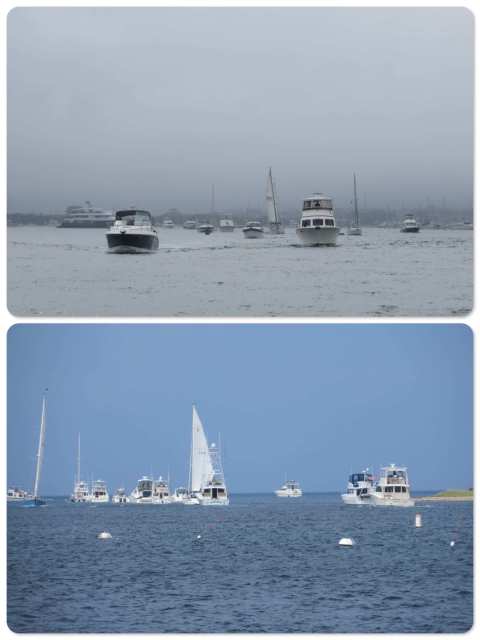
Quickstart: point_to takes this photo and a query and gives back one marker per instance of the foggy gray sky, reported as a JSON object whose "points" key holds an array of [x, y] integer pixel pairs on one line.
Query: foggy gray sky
{"points": [[151, 106]]}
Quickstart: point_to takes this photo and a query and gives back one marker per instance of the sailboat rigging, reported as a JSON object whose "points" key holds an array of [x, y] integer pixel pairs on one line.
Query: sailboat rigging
{"points": [[272, 210], [36, 501], [355, 229]]}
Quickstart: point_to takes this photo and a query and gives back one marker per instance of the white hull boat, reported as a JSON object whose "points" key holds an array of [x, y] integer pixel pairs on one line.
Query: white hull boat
{"points": [[273, 216], [132, 232], [410, 225], [226, 225], [393, 488], [359, 489], [317, 225], [253, 230], [354, 229], [290, 489]]}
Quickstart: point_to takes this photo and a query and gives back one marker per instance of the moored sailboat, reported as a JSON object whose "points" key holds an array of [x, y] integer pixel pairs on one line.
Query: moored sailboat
{"points": [[207, 483], [273, 216], [354, 229], [36, 501]]}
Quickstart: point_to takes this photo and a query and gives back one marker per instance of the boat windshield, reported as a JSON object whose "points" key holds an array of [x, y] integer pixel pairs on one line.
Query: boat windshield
{"points": [[323, 203], [133, 217]]}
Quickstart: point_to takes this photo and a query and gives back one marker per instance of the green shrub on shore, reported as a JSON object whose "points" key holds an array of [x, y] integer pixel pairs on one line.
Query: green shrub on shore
{"points": [[455, 493]]}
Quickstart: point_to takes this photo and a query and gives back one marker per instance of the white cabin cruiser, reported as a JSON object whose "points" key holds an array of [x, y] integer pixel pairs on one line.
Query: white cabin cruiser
{"points": [[190, 224], [168, 224], [290, 489], [161, 492], [206, 479], [120, 497], [143, 492], [253, 230], [317, 225], [132, 232], [359, 489], [206, 228], [15, 494], [226, 224], [393, 488], [99, 492], [180, 494], [410, 225]]}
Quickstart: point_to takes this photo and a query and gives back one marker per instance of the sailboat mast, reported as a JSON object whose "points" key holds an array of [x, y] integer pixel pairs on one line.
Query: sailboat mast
{"points": [[41, 445], [78, 460], [355, 203], [212, 203], [273, 195]]}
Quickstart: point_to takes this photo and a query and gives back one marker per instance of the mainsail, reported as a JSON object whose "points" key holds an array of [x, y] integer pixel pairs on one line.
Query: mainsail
{"points": [[201, 465], [272, 213], [41, 446]]}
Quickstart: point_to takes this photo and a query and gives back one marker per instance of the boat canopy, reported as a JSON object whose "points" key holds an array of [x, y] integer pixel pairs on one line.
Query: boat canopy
{"points": [[133, 216], [317, 202]]}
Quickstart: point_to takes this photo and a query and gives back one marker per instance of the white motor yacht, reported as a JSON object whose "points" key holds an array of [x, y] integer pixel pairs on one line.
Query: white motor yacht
{"points": [[253, 230], [86, 217], [226, 224], [205, 228], [206, 479], [289, 489], [99, 492], [161, 492], [132, 232], [359, 489], [15, 494], [180, 494], [143, 492], [190, 224], [393, 488], [410, 225], [120, 497], [317, 225], [168, 224]]}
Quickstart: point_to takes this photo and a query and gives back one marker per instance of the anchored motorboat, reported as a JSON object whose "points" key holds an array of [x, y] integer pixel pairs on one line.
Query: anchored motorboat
{"points": [[317, 225], [410, 225], [289, 489], [15, 494], [205, 228], [99, 492], [359, 489], [168, 224], [143, 492], [132, 232], [226, 224], [253, 230], [120, 497], [190, 224], [86, 217], [393, 488]]}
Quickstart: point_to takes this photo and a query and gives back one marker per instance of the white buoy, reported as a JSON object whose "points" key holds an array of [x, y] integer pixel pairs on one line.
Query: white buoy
{"points": [[418, 520], [104, 535], [346, 542], [452, 543], [198, 537]]}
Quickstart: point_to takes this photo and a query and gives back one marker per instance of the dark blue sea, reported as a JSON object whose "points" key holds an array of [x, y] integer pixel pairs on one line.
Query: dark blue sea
{"points": [[262, 564]]}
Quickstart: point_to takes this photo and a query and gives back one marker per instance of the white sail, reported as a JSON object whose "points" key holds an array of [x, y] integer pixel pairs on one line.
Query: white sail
{"points": [[41, 446], [272, 214], [201, 465]]}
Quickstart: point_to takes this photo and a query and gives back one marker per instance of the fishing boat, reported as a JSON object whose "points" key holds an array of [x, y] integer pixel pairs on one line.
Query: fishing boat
{"points": [[161, 492], [253, 230], [317, 226], [410, 225], [81, 491], [359, 488], [226, 224], [273, 215], [289, 489], [120, 497], [132, 232], [206, 478], [14, 494], [392, 488], [36, 501], [354, 229], [99, 492]]}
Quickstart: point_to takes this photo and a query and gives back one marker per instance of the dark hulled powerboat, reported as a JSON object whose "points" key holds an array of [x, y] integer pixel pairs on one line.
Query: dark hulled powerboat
{"points": [[132, 232]]}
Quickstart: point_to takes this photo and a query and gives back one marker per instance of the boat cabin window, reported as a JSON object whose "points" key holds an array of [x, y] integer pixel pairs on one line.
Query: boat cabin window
{"points": [[318, 222], [404, 489], [133, 217], [329, 223], [399, 489], [379, 489], [306, 223], [388, 489]]}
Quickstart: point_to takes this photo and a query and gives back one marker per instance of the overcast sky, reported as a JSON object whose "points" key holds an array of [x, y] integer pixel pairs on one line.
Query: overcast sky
{"points": [[314, 401], [149, 107]]}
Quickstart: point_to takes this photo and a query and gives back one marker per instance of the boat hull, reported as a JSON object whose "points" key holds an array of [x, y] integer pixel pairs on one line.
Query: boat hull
{"points": [[410, 230], [392, 502], [318, 236], [354, 231], [214, 502], [283, 494], [124, 242], [349, 498], [253, 233]]}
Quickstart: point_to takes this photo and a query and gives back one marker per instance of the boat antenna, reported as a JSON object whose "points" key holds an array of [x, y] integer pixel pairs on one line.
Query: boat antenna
{"points": [[212, 202], [78, 460], [355, 203]]}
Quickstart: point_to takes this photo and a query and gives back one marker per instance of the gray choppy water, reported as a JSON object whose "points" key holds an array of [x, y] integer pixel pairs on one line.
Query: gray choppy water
{"points": [[65, 272], [261, 565]]}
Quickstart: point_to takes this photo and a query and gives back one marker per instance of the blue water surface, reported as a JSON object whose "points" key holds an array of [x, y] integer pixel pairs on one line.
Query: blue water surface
{"points": [[263, 564]]}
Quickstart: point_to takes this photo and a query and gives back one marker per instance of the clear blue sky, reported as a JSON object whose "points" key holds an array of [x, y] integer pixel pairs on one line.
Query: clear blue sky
{"points": [[315, 401]]}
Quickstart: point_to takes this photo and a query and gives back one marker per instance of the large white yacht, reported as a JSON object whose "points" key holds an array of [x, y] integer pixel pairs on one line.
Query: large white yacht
{"points": [[410, 225], [99, 492], [359, 489], [143, 492], [317, 225], [290, 489], [132, 232], [86, 217], [206, 479], [393, 488], [226, 224]]}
